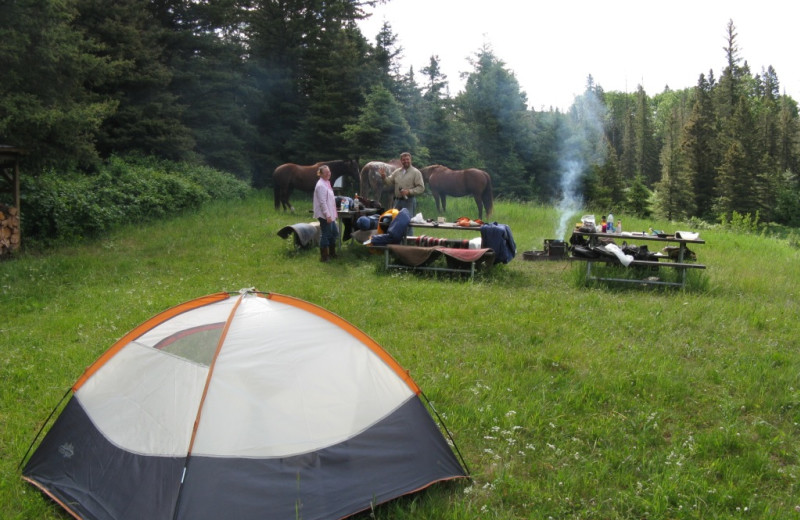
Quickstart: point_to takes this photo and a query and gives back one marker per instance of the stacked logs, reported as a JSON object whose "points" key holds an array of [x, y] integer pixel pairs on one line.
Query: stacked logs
{"points": [[9, 229]]}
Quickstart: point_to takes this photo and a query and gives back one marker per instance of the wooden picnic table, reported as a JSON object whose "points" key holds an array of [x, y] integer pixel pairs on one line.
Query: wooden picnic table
{"points": [[681, 263], [468, 268]]}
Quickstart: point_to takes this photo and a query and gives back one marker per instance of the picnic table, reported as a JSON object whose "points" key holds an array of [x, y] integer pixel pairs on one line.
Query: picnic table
{"points": [[681, 262], [409, 256]]}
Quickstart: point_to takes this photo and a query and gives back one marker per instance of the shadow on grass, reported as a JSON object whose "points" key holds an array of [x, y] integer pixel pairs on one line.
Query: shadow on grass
{"points": [[653, 279]]}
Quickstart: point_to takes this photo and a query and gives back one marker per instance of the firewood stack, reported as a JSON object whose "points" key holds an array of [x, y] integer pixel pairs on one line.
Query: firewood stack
{"points": [[9, 229]]}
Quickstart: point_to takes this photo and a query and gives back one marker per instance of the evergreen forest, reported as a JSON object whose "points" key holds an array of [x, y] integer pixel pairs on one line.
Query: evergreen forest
{"points": [[245, 85]]}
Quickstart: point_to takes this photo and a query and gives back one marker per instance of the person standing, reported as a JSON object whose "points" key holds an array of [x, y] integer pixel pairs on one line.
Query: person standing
{"points": [[407, 182], [325, 212]]}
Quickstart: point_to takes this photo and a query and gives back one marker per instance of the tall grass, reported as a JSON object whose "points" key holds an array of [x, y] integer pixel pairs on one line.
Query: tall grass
{"points": [[567, 400]]}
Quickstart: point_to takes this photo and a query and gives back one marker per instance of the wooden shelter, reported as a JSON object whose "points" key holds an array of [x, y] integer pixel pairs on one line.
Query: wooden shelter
{"points": [[10, 235]]}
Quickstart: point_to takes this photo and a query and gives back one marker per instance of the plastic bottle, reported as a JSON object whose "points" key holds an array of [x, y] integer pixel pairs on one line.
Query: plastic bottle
{"points": [[355, 203], [610, 223], [619, 227]]}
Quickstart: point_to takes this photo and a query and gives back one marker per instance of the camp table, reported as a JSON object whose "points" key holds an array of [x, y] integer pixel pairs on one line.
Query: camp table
{"points": [[680, 263]]}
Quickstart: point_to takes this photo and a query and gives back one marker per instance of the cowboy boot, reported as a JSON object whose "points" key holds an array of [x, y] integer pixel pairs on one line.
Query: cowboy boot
{"points": [[323, 254], [332, 250]]}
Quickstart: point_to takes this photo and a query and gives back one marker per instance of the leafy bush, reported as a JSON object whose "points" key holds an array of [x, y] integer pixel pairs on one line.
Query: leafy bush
{"points": [[742, 223], [73, 206]]}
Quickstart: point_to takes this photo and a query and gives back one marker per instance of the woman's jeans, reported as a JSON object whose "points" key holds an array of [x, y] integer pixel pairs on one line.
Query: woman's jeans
{"points": [[327, 233]]}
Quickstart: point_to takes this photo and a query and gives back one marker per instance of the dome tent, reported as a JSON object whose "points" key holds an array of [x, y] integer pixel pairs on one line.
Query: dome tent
{"points": [[256, 405]]}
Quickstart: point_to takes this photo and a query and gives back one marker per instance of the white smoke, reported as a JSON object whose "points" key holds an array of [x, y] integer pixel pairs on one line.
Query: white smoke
{"points": [[582, 144], [571, 200]]}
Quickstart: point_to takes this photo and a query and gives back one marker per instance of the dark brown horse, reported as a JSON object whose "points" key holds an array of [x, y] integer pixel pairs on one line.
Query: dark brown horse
{"points": [[290, 176], [459, 183], [372, 184]]}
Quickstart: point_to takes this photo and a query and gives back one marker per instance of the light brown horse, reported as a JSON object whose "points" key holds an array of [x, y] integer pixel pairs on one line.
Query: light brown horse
{"points": [[372, 184], [459, 183], [290, 176]]}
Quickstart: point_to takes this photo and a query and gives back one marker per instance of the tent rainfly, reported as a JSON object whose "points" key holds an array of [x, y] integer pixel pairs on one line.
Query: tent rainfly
{"points": [[248, 405]]}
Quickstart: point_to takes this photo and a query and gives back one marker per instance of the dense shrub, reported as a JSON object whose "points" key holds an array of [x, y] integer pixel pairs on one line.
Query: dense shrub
{"points": [[70, 206]]}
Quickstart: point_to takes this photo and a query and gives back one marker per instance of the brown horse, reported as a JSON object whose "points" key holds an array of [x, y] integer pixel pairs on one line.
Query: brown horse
{"points": [[372, 184], [458, 183], [289, 176]]}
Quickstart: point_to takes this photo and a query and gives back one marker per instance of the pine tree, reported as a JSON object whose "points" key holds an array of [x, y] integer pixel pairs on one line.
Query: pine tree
{"points": [[437, 129], [674, 194], [646, 156], [213, 81], [381, 129], [311, 64], [699, 148], [638, 198], [788, 134], [335, 92], [47, 104], [148, 118], [628, 157], [386, 55], [727, 193], [495, 110]]}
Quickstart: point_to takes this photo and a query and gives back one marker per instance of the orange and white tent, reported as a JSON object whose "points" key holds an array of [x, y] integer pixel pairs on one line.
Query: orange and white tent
{"points": [[249, 405]]}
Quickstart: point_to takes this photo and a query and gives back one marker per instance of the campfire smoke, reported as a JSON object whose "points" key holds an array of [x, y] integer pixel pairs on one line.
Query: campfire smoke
{"points": [[582, 144]]}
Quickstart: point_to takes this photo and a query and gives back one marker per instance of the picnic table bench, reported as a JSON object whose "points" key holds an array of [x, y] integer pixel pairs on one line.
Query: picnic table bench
{"points": [[681, 263], [459, 260]]}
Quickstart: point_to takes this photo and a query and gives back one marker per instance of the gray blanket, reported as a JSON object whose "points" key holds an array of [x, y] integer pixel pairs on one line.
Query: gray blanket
{"points": [[305, 235]]}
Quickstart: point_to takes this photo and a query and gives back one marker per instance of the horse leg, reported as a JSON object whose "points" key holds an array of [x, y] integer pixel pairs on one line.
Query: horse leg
{"points": [[284, 200], [479, 202], [288, 194], [444, 203]]}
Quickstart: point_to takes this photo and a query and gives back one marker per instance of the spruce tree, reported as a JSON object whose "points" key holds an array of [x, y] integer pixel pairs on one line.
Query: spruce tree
{"points": [[380, 130], [148, 118], [437, 129], [47, 103], [494, 109], [646, 154], [674, 193], [699, 149]]}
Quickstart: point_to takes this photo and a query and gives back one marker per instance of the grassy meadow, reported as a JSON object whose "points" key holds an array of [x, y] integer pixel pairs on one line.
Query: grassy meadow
{"points": [[566, 400]]}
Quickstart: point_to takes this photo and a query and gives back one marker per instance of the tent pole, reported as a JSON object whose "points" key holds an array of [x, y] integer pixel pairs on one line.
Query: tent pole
{"points": [[449, 436], [56, 407]]}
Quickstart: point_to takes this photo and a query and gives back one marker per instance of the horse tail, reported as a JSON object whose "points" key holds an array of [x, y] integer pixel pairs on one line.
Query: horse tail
{"points": [[280, 180], [487, 196]]}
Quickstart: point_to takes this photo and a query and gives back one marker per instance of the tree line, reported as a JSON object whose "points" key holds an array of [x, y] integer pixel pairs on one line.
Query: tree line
{"points": [[246, 85]]}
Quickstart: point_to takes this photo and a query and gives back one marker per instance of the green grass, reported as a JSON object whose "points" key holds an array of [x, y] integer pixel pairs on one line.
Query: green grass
{"points": [[567, 401]]}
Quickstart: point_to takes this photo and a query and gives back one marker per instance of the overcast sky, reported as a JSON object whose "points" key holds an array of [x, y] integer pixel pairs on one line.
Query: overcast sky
{"points": [[552, 47]]}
